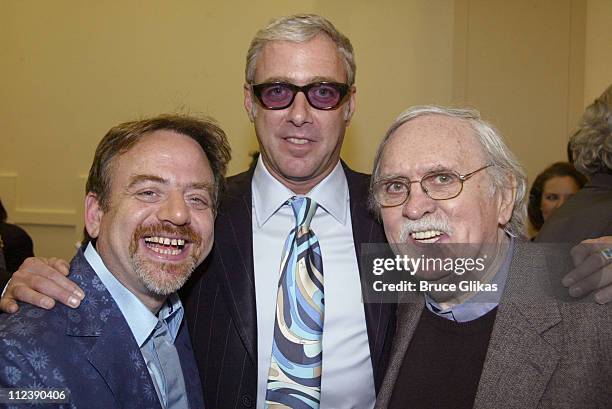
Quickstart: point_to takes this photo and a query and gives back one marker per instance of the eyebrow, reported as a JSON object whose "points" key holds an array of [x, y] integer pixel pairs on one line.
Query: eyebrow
{"points": [[435, 168], [143, 178], [290, 80], [138, 179]]}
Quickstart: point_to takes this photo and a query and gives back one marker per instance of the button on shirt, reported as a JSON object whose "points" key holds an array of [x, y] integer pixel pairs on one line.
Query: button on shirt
{"points": [[347, 379], [141, 320]]}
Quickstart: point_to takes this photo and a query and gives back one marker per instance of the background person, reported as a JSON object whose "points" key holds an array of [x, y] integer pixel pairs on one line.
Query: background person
{"points": [[17, 243], [4, 277], [588, 214], [551, 189]]}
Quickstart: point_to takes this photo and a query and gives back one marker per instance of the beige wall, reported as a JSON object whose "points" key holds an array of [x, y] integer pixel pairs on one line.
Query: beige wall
{"points": [[70, 70], [598, 55], [521, 63]]}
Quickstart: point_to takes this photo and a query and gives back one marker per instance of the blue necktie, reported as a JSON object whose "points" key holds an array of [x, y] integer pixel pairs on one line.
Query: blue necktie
{"points": [[173, 394], [294, 380]]}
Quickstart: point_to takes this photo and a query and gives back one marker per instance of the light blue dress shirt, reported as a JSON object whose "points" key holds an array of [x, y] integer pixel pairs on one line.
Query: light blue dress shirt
{"points": [[481, 302], [347, 379], [140, 319]]}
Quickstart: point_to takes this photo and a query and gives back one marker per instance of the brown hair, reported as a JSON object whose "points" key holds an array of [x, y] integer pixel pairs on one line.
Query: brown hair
{"points": [[123, 137], [559, 169]]}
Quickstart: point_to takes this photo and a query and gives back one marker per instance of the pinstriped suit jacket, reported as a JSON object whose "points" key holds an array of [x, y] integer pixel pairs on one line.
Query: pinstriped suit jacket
{"points": [[543, 353], [220, 299]]}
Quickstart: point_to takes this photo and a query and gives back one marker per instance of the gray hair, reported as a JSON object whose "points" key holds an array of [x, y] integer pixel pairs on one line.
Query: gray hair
{"points": [[591, 144], [505, 169], [300, 28]]}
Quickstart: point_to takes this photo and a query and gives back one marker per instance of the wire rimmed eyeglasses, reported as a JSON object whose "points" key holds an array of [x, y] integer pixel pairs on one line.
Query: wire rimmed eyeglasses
{"points": [[438, 185]]}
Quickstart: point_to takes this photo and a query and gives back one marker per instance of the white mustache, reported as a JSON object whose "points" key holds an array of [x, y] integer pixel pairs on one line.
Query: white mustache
{"points": [[424, 224]]}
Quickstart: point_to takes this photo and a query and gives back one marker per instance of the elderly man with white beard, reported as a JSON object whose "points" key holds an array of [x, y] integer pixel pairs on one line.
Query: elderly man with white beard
{"points": [[444, 181]]}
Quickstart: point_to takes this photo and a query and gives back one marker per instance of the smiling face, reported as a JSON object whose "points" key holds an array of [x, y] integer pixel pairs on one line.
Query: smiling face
{"points": [[159, 222], [555, 192], [434, 143], [300, 145]]}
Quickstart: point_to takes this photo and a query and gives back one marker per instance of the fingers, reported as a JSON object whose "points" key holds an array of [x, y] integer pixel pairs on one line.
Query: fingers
{"points": [[31, 296], [8, 305], [593, 262], [38, 282], [60, 265], [604, 296], [586, 247], [593, 270], [595, 281]]}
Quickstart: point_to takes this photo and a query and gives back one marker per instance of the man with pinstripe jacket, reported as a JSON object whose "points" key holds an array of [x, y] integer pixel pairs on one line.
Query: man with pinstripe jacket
{"points": [[299, 93]]}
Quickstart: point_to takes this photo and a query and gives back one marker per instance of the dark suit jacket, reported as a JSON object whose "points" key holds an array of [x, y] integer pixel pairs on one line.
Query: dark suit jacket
{"points": [[221, 301], [542, 353], [17, 245], [89, 350], [586, 215]]}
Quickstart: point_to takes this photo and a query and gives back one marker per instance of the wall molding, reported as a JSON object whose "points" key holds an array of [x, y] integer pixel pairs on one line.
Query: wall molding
{"points": [[25, 215]]}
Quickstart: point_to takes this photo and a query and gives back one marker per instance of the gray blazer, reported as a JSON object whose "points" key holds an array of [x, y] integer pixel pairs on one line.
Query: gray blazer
{"points": [[543, 353]]}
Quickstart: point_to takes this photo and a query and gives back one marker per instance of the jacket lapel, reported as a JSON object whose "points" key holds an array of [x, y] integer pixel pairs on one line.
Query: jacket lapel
{"points": [[119, 362], [408, 316], [520, 361], [235, 255], [522, 356], [189, 368], [114, 352], [379, 316], [236, 263]]}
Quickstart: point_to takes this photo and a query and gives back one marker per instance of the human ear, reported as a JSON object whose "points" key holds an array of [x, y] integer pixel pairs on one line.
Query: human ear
{"points": [[93, 214]]}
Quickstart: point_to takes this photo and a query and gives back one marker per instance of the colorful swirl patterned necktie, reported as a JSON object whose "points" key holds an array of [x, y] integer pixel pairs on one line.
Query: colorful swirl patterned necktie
{"points": [[294, 380]]}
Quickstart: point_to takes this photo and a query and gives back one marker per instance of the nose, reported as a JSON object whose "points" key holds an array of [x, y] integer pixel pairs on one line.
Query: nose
{"points": [[299, 112], [418, 203], [174, 210], [560, 202]]}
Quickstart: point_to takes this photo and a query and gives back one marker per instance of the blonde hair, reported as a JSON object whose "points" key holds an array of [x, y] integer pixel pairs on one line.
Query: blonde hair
{"points": [[300, 28]]}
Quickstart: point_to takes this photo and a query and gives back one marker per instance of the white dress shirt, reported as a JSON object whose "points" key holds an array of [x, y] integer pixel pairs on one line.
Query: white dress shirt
{"points": [[347, 379]]}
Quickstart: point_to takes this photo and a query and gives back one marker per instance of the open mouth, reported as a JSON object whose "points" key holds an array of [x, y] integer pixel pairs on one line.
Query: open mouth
{"points": [[165, 245], [427, 236], [298, 141]]}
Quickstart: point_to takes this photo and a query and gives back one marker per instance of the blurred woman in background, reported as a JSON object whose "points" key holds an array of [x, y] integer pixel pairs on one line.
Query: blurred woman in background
{"points": [[551, 189]]}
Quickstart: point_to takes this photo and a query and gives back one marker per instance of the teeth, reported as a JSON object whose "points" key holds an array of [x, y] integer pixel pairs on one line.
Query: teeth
{"points": [[423, 235], [172, 252], [165, 241], [298, 141]]}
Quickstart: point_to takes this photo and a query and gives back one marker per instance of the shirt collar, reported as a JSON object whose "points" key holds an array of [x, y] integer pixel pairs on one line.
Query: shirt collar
{"points": [[269, 194], [139, 318], [481, 302]]}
